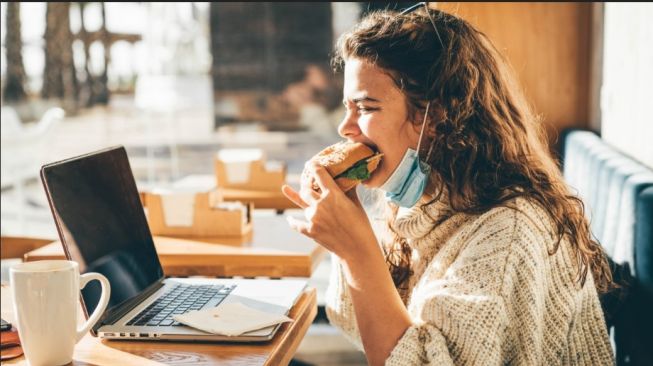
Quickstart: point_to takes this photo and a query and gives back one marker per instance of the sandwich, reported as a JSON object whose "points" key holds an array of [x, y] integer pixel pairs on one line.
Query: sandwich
{"points": [[349, 163]]}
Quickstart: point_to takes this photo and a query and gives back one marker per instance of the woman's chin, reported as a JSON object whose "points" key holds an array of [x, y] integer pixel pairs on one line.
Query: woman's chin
{"points": [[378, 176], [375, 181]]}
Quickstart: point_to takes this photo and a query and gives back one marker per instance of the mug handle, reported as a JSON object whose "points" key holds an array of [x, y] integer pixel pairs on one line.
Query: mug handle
{"points": [[102, 304]]}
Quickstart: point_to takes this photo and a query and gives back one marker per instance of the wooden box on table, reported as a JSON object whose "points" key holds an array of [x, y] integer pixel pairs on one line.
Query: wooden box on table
{"points": [[211, 216]]}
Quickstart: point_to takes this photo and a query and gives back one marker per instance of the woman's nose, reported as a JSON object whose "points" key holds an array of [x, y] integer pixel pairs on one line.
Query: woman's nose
{"points": [[348, 128]]}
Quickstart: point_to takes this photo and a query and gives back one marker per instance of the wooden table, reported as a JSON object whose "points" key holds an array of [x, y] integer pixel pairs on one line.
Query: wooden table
{"points": [[274, 250], [278, 351]]}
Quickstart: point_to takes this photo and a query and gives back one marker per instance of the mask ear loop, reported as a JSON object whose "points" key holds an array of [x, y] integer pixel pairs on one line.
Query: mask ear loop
{"points": [[428, 154], [421, 133]]}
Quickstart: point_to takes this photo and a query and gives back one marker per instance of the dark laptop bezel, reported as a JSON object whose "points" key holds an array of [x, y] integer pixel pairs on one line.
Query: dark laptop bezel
{"points": [[123, 308]]}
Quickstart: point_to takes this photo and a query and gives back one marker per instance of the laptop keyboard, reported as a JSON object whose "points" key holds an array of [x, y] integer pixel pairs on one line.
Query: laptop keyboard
{"points": [[180, 299]]}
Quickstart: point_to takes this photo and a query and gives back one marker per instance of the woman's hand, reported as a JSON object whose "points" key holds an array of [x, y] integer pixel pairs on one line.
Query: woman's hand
{"points": [[334, 220], [339, 223]]}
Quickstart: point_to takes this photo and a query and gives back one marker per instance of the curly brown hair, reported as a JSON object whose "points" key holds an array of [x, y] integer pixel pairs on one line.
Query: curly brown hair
{"points": [[490, 147]]}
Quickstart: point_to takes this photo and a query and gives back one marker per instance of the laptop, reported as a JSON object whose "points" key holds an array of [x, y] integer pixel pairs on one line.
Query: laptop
{"points": [[102, 226]]}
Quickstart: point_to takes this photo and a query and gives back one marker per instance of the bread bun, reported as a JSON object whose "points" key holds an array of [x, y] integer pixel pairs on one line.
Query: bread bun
{"points": [[338, 158]]}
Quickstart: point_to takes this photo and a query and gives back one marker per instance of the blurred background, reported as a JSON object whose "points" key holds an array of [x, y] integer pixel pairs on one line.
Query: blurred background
{"points": [[176, 82], [173, 82]]}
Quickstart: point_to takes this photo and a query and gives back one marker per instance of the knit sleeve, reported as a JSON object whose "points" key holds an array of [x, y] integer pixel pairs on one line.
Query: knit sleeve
{"points": [[458, 310], [465, 327], [339, 307]]}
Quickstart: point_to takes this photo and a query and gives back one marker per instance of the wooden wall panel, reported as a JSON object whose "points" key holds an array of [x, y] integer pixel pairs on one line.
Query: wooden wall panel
{"points": [[548, 45]]}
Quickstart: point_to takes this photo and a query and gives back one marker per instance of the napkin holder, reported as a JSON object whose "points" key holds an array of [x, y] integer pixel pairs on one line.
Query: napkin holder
{"points": [[259, 175], [209, 219]]}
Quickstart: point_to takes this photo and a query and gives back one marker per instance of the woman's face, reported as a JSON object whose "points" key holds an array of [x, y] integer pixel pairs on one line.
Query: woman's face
{"points": [[376, 116]]}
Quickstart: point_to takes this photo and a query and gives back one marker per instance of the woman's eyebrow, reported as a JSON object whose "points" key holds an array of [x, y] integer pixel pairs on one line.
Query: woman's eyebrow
{"points": [[365, 99]]}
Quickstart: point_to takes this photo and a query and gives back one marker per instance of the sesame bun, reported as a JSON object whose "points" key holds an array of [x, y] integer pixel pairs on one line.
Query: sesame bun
{"points": [[338, 158]]}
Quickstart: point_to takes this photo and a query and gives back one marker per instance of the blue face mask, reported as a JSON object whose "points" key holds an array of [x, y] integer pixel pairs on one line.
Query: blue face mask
{"points": [[407, 183]]}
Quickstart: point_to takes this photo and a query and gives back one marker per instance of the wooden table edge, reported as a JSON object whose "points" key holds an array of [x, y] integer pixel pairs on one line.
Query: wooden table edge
{"points": [[297, 331], [285, 342], [246, 263]]}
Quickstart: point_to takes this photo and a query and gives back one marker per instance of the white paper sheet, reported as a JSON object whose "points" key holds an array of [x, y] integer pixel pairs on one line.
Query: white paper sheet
{"points": [[274, 166], [237, 163], [238, 172], [231, 319], [178, 208]]}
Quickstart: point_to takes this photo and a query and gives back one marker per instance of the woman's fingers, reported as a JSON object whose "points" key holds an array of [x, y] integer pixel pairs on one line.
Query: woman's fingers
{"points": [[298, 225], [323, 179], [308, 195], [292, 195], [353, 196]]}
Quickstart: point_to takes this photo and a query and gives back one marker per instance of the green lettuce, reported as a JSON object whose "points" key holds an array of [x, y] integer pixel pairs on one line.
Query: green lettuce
{"points": [[357, 172]]}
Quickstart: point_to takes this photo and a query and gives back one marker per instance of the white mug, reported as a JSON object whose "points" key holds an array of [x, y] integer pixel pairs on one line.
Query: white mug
{"points": [[46, 298]]}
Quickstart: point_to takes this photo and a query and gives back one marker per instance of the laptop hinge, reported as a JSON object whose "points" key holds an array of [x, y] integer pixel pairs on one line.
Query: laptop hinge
{"points": [[122, 309]]}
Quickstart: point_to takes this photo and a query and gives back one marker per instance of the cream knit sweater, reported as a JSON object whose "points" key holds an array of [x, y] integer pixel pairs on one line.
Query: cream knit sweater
{"points": [[485, 292]]}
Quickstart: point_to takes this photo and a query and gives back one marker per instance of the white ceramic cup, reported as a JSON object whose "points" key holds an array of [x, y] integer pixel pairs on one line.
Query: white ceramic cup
{"points": [[46, 301]]}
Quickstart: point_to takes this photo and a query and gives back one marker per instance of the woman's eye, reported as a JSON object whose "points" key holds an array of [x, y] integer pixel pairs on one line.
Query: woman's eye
{"points": [[366, 109]]}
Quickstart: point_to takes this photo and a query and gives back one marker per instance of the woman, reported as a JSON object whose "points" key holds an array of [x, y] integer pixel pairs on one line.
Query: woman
{"points": [[490, 260]]}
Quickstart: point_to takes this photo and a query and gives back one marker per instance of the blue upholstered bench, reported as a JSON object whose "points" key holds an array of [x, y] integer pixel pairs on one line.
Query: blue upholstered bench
{"points": [[618, 195]]}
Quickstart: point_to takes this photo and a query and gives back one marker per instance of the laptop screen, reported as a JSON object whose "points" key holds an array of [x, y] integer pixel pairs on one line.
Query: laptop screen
{"points": [[102, 223]]}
